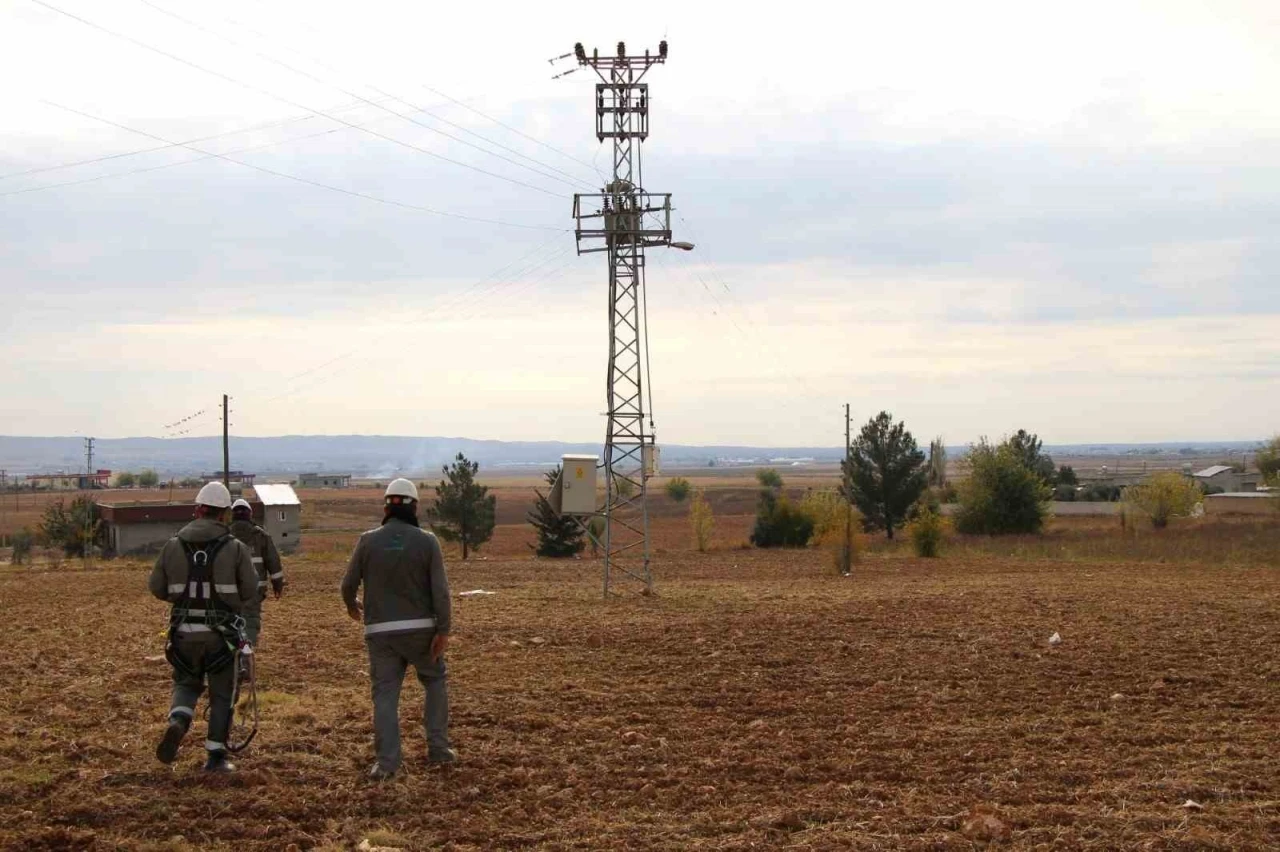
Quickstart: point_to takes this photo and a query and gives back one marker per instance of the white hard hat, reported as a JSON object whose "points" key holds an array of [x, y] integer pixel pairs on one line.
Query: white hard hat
{"points": [[242, 504], [402, 488], [214, 494]]}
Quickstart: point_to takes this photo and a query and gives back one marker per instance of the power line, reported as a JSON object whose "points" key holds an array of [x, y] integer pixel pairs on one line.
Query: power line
{"points": [[159, 167], [308, 181], [241, 25], [144, 169], [204, 29], [258, 89], [506, 126], [250, 129]]}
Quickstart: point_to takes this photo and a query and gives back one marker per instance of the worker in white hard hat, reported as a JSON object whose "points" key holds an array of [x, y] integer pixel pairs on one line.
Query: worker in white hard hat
{"points": [[406, 615], [208, 577], [266, 563]]}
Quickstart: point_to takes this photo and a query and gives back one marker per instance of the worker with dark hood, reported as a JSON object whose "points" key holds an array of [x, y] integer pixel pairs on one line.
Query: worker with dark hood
{"points": [[406, 615], [266, 563], [208, 577]]}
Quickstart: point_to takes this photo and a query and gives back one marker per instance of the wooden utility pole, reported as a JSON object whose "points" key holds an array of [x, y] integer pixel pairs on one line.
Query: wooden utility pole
{"points": [[226, 446], [846, 555]]}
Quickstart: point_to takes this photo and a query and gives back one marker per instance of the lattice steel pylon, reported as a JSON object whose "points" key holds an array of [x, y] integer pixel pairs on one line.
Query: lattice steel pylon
{"points": [[623, 220]]}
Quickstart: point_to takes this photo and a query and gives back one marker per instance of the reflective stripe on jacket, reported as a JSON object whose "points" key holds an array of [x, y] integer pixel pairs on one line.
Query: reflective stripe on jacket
{"points": [[266, 559], [405, 585], [233, 579]]}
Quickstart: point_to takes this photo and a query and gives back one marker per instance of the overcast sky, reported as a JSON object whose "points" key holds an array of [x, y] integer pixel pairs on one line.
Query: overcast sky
{"points": [[979, 216]]}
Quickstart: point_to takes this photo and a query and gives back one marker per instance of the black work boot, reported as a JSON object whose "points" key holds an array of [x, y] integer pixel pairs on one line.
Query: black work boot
{"points": [[442, 758], [377, 773], [218, 763], [167, 751]]}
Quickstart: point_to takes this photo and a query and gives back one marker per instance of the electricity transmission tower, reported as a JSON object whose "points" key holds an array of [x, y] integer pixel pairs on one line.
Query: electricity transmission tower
{"points": [[623, 220]]}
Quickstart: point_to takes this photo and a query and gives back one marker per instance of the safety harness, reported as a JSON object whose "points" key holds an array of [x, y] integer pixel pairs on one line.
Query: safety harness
{"points": [[200, 610], [251, 667]]}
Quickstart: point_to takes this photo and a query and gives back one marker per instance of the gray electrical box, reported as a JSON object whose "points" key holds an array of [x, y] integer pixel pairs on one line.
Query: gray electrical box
{"points": [[575, 491]]}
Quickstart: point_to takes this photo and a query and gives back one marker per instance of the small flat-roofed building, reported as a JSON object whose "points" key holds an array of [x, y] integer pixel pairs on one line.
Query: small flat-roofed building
{"points": [[1227, 478], [282, 515], [1242, 503], [136, 527]]}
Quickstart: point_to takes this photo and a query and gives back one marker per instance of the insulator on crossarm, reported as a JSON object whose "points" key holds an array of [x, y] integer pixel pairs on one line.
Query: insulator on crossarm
{"points": [[622, 50], [580, 52], [662, 48]]}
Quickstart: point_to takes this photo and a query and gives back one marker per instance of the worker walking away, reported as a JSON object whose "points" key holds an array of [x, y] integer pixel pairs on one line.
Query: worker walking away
{"points": [[208, 577], [266, 564], [406, 614]]}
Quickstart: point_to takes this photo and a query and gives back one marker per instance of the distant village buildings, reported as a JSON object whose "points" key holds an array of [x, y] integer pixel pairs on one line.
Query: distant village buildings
{"points": [[235, 477], [68, 481], [323, 480]]}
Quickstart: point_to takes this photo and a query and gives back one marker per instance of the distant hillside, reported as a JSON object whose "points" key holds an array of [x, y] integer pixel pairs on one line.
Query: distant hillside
{"points": [[362, 455], [385, 455]]}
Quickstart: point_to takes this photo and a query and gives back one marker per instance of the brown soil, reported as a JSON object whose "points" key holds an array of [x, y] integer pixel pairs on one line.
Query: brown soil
{"points": [[757, 702]]}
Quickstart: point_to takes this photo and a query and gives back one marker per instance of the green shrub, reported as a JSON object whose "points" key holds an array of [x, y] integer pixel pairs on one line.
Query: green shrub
{"points": [[1099, 493], [1268, 461], [780, 523], [622, 486], [926, 532], [22, 542], [69, 528], [769, 478], [678, 489], [1163, 496], [148, 478], [1002, 495]]}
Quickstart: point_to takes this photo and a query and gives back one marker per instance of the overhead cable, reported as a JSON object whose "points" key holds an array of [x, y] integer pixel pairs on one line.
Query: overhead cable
{"points": [[258, 89], [308, 75], [308, 181]]}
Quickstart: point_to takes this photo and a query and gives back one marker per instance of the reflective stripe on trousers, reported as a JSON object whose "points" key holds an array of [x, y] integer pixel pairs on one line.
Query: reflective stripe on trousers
{"points": [[407, 624]]}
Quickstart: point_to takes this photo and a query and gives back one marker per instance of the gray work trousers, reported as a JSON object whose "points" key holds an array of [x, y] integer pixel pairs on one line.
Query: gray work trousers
{"points": [[389, 657], [252, 621], [187, 689]]}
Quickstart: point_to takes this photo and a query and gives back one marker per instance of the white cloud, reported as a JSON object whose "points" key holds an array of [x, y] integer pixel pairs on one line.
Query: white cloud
{"points": [[981, 216]]}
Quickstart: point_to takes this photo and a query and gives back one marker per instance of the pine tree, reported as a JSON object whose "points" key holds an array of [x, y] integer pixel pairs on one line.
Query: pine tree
{"points": [[884, 473], [558, 535], [463, 511]]}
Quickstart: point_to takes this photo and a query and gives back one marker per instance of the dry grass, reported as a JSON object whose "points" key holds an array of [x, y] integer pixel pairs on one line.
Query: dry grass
{"points": [[758, 702]]}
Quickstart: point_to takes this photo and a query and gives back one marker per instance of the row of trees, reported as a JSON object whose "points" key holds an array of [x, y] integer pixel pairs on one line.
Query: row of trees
{"points": [[148, 478]]}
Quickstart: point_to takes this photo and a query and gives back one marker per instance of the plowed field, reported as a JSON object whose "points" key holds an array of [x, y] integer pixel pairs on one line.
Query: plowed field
{"points": [[757, 702]]}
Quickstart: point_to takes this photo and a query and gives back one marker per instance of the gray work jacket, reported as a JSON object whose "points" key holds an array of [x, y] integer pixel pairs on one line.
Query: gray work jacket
{"points": [[266, 559], [234, 580], [405, 586]]}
